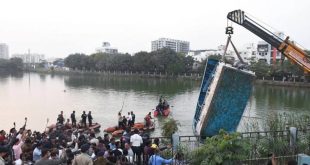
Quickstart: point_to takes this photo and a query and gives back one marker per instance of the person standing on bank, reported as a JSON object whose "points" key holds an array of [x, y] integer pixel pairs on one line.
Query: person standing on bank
{"points": [[129, 120], [133, 118], [73, 119], [84, 116], [136, 141], [120, 120], [3, 152], [83, 158], [90, 118], [61, 118]]}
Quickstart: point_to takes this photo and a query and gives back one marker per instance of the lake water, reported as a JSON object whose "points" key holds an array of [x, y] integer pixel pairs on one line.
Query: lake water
{"points": [[40, 97]]}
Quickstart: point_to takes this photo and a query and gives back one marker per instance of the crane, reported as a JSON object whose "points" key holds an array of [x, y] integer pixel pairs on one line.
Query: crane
{"points": [[293, 52]]}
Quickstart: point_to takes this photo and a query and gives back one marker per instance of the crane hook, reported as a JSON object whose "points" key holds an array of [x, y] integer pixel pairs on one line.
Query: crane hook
{"points": [[229, 30]]}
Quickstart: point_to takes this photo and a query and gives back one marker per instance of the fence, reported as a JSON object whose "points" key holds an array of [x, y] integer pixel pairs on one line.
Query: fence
{"points": [[283, 144]]}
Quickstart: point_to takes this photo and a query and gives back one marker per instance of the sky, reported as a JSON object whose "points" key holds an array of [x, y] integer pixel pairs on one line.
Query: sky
{"points": [[58, 28]]}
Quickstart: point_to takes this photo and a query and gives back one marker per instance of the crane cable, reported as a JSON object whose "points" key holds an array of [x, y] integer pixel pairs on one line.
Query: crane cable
{"points": [[235, 49]]}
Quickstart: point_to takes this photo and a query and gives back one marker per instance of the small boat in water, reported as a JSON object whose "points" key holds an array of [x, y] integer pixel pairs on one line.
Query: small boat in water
{"points": [[164, 112], [162, 109], [224, 94], [116, 131], [95, 127]]}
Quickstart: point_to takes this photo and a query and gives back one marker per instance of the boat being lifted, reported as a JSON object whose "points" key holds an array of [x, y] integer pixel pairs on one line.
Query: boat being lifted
{"points": [[224, 94]]}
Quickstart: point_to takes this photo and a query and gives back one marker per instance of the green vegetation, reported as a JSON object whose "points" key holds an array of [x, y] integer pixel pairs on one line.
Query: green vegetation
{"points": [[223, 148], [285, 69], [11, 65], [256, 145], [169, 127], [161, 61]]}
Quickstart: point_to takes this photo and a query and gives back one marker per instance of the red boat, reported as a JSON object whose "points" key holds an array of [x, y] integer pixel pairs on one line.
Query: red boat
{"points": [[94, 127], [164, 112], [116, 132], [163, 108]]}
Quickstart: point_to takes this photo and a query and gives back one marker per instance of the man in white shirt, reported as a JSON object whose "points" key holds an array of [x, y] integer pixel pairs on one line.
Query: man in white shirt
{"points": [[130, 154], [136, 141], [129, 119]]}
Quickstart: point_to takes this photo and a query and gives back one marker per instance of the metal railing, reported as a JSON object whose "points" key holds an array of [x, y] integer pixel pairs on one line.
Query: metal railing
{"points": [[262, 144]]}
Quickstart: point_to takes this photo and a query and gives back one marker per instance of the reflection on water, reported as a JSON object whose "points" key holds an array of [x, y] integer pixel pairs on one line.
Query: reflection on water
{"points": [[5, 76], [39, 96], [154, 86], [276, 98], [268, 100]]}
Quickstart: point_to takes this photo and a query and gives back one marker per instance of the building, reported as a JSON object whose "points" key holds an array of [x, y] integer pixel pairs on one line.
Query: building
{"points": [[106, 48], [200, 55], [4, 51], [176, 45], [248, 52], [268, 53], [30, 58]]}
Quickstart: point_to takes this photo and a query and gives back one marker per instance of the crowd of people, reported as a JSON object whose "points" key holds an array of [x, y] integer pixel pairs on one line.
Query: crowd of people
{"points": [[75, 146]]}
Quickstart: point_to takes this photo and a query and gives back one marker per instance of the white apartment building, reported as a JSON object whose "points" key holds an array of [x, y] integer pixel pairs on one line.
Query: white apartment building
{"points": [[106, 48], [176, 45], [200, 55], [265, 51], [248, 52], [30, 58], [4, 51]]}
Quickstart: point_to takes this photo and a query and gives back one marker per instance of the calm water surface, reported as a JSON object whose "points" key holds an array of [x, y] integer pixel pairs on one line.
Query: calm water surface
{"points": [[40, 97]]}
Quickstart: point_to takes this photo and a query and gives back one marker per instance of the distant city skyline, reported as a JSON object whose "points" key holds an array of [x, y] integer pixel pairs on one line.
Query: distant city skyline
{"points": [[174, 44], [59, 28], [4, 51]]}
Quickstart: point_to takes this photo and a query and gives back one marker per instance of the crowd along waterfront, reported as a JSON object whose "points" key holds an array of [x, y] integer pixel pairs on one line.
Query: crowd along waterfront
{"points": [[42, 96]]}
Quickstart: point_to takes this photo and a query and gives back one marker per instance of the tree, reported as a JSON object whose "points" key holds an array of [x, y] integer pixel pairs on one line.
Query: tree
{"points": [[11, 65], [141, 61], [261, 68], [77, 61], [170, 127], [223, 148]]}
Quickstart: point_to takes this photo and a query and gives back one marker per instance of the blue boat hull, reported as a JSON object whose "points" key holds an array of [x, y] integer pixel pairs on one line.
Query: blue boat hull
{"points": [[224, 94]]}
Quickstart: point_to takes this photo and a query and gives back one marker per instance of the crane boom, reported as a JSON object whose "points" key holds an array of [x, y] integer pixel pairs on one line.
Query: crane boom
{"points": [[287, 47]]}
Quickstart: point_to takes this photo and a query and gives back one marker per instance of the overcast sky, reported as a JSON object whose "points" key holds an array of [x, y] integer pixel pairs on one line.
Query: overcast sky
{"points": [[58, 28]]}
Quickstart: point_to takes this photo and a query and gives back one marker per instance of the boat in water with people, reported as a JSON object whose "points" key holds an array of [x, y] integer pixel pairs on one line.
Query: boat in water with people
{"points": [[117, 131], [95, 127], [223, 96], [163, 108]]}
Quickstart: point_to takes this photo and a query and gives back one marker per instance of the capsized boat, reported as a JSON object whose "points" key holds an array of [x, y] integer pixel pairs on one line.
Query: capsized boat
{"points": [[224, 94]]}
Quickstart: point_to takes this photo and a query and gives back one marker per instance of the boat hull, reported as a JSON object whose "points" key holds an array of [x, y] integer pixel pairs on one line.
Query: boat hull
{"points": [[166, 112], [116, 132], [94, 127], [223, 98]]}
